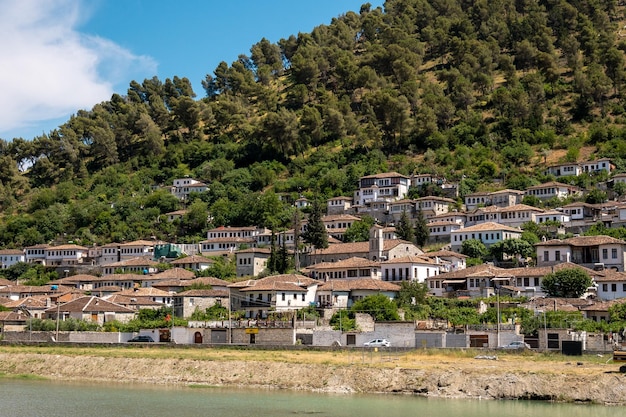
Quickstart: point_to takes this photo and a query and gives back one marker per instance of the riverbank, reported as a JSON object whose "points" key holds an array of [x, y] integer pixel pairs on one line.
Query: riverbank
{"points": [[445, 374]]}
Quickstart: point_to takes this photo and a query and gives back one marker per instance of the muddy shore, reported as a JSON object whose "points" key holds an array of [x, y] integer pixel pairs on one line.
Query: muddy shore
{"points": [[501, 378]]}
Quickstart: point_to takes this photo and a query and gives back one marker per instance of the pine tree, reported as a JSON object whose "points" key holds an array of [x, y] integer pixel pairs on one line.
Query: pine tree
{"points": [[404, 229], [315, 233], [421, 230]]}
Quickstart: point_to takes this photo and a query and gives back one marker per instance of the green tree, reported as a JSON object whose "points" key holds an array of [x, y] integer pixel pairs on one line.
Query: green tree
{"points": [[404, 228], [571, 283], [422, 233], [315, 233], [359, 231], [412, 293], [512, 247], [474, 248], [379, 306]]}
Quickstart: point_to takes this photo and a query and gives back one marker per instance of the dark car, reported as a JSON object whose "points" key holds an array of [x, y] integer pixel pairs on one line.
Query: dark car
{"points": [[141, 339]]}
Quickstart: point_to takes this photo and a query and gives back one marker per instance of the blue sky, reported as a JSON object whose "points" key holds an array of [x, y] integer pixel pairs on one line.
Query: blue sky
{"points": [[61, 56]]}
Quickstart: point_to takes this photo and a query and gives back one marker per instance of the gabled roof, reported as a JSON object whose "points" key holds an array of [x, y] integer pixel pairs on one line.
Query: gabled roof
{"points": [[410, 259], [582, 241], [483, 270], [488, 226], [540, 271], [284, 282], [385, 175], [67, 247], [174, 273], [354, 262], [203, 293], [90, 304], [137, 261], [193, 259], [610, 275], [125, 300], [358, 284], [444, 254]]}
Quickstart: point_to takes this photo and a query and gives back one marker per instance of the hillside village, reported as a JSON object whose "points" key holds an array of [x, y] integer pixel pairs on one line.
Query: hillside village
{"points": [[115, 281]]}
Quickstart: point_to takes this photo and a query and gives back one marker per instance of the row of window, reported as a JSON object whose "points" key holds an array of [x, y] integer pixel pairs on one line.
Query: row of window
{"points": [[480, 236], [605, 287]]}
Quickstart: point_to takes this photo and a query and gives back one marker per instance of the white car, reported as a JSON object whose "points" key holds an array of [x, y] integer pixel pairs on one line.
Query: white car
{"points": [[516, 345], [377, 343]]}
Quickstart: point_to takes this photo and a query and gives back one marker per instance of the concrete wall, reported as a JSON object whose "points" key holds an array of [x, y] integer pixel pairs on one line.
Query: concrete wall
{"points": [[270, 337], [430, 339], [400, 334]]}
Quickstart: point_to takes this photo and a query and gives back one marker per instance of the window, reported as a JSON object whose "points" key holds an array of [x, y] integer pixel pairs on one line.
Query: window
{"points": [[546, 256], [605, 287], [605, 254], [613, 287], [614, 253], [283, 296], [557, 255]]}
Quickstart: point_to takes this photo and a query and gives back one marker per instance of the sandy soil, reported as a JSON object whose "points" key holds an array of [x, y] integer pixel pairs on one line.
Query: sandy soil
{"points": [[586, 379]]}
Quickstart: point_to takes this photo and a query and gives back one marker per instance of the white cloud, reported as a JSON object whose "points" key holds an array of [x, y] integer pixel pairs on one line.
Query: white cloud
{"points": [[49, 68]]}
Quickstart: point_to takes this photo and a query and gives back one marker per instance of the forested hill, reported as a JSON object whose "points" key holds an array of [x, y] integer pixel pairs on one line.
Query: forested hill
{"points": [[485, 88]]}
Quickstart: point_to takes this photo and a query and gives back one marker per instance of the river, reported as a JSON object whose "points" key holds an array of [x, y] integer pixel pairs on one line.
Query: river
{"points": [[34, 398]]}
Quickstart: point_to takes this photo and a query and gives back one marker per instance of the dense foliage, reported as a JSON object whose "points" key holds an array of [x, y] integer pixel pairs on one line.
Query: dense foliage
{"points": [[484, 89], [571, 282]]}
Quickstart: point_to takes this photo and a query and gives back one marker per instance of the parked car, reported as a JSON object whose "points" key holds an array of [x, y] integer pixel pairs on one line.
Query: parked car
{"points": [[516, 345], [377, 343], [141, 339]]}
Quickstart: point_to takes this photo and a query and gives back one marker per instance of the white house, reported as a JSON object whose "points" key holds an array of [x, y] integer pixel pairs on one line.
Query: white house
{"points": [[184, 186], [432, 206], [409, 268], [552, 215], [342, 293], [251, 261], [280, 293], [517, 215], [9, 257], [611, 285], [350, 268], [65, 255], [488, 233], [338, 205], [593, 252], [440, 231], [562, 170], [387, 187], [552, 189], [36, 253]]}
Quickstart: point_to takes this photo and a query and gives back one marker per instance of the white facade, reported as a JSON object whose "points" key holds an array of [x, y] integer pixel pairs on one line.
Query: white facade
{"points": [[487, 233], [9, 257], [184, 186], [410, 268], [552, 190], [65, 255], [382, 187]]}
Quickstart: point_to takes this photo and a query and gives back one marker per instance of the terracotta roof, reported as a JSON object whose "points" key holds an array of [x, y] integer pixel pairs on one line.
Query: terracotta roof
{"points": [[144, 292], [611, 275], [477, 270], [444, 253], [175, 273], [90, 304], [140, 243], [28, 302], [520, 207], [507, 190], [182, 283], [487, 227], [229, 228], [125, 300], [284, 282], [67, 247], [443, 223], [354, 262], [233, 239], [121, 277], [602, 305], [582, 241], [203, 293], [540, 271], [13, 316], [440, 199], [11, 252], [410, 259], [358, 284], [74, 279], [335, 217], [193, 259], [385, 175], [265, 251], [552, 184], [5, 282], [137, 261]]}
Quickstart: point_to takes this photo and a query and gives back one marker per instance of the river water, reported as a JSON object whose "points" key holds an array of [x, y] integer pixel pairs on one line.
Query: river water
{"points": [[28, 398]]}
